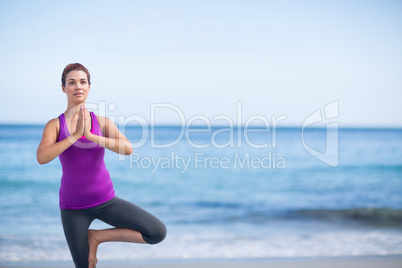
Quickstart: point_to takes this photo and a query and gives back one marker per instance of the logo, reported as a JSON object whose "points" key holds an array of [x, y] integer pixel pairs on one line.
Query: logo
{"points": [[331, 154]]}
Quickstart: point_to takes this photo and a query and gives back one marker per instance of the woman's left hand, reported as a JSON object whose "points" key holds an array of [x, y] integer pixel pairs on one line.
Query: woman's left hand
{"points": [[87, 123]]}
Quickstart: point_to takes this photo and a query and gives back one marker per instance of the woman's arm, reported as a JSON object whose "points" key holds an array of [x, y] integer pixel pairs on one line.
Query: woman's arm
{"points": [[49, 148], [113, 139]]}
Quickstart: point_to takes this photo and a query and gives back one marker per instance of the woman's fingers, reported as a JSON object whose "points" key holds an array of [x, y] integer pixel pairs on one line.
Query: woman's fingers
{"points": [[87, 122], [79, 130]]}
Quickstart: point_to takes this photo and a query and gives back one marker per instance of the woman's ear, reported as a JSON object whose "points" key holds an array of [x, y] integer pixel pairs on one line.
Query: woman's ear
{"points": [[62, 89]]}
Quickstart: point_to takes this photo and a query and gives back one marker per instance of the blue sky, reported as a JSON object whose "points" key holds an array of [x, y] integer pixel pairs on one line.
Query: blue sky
{"points": [[275, 57]]}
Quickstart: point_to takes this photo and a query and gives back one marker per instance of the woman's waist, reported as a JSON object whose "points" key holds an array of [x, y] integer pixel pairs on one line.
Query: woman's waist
{"points": [[77, 178]]}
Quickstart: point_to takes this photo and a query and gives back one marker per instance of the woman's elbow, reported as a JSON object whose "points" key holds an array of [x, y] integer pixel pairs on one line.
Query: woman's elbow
{"points": [[129, 150], [41, 159], [126, 150]]}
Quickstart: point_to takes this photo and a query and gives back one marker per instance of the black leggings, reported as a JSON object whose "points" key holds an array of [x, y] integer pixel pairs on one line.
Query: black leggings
{"points": [[116, 212]]}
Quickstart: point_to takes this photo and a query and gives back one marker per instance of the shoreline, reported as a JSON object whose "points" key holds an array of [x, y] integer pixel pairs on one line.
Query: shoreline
{"points": [[386, 261]]}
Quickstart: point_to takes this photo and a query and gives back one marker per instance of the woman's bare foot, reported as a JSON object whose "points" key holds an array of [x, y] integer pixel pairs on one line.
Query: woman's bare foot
{"points": [[96, 237], [93, 248]]}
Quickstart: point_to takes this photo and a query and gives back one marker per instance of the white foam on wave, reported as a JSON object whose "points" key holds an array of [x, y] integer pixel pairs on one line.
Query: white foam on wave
{"points": [[33, 248], [214, 245], [292, 245]]}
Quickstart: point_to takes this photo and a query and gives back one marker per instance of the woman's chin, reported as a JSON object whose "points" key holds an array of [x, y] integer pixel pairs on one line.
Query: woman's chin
{"points": [[78, 100]]}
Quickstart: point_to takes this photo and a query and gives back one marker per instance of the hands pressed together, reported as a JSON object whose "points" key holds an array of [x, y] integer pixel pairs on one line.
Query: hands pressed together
{"points": [[113, 139], [83, 127]]}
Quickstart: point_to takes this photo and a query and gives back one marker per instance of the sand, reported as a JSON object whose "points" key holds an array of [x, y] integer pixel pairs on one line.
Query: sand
{"points": [[353, 262]]}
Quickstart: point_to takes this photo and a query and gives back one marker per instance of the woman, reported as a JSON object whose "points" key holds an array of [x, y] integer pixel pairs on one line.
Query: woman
{"points": [[79, 138]]}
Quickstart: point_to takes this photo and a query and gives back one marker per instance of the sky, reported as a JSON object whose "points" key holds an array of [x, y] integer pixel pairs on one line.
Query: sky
{"points": [[170, 62]]}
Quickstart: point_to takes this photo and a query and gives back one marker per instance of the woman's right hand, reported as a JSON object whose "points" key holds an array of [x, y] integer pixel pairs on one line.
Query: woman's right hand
{"points": [[49, 147], [79, 130]]}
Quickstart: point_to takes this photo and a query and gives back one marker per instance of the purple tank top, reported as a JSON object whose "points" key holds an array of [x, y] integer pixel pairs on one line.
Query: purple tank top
{"points": [[85, 182]]}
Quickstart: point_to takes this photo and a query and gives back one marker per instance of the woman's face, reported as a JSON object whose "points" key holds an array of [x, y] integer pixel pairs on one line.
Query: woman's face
{"points": [[77, 86]]}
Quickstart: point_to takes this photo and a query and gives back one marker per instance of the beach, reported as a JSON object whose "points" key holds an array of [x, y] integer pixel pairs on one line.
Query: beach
{"points": [[342, 262]]}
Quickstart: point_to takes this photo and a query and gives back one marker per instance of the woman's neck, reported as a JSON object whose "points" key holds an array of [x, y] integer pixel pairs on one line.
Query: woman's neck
{"points": [[73, 109]]}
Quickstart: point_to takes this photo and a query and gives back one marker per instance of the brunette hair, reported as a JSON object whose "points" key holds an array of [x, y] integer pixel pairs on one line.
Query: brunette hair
{"points": [[74, 67]]}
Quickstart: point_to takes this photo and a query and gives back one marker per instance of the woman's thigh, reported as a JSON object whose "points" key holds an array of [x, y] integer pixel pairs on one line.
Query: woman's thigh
{"points": [[123, 214]]}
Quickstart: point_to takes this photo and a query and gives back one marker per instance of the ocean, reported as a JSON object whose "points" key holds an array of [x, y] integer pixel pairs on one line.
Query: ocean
{"points": [[223, 194]]}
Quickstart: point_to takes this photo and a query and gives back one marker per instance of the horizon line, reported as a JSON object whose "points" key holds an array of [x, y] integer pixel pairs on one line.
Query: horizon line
{"points": [[171, 125]]}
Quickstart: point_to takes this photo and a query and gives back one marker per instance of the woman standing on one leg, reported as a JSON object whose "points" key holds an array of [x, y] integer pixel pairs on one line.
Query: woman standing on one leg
{"points": [[79, 138]]}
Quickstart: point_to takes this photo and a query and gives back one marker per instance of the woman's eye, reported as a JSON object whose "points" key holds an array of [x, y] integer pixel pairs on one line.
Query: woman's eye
{"points": [[83, 82], [71, 83]]}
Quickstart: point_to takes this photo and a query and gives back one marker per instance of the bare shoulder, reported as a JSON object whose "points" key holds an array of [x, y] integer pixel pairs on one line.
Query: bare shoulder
{"points": [[105, 124], [53, 124], [109, 128], [104, 121], [51, 131], [101, 121]]}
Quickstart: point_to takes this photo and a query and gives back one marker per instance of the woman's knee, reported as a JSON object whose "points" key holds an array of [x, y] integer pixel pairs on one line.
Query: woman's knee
{"points": [[157, 236]]}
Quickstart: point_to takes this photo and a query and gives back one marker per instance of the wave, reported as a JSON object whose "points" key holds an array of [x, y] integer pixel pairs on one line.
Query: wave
{"points": [[386, 217], [370, 166], [232, 212]]}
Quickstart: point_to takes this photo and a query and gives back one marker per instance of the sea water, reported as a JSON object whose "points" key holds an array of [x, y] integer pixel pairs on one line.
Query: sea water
{"points": [[222, 194]]}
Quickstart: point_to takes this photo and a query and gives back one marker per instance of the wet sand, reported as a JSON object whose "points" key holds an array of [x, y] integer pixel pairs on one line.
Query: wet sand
{"points": [[352, 262]]}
